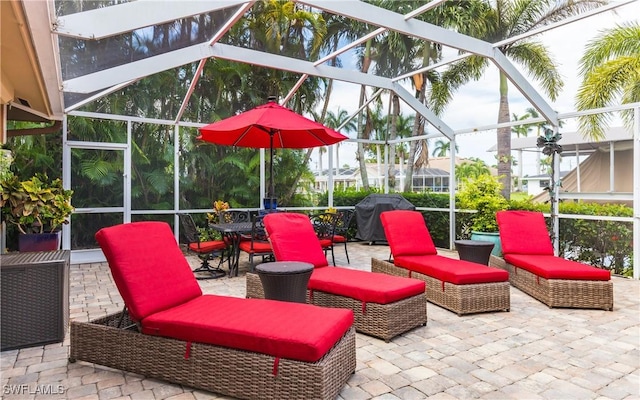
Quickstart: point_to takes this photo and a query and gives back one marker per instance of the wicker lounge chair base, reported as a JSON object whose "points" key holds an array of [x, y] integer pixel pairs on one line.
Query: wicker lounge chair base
{"points": [[559, 292], [217, 369], [384, 321], [461, 299]]}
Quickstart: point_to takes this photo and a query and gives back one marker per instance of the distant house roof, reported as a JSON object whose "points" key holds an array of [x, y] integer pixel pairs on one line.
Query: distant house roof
{"points": [[430, 172], [544, 176], [571, 140], [341, 172]]}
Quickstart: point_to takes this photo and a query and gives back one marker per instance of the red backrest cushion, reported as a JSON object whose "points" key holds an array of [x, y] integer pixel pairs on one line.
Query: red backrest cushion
{"points": [[148, 267], [523, 232], [407, 233], [293, 239]]}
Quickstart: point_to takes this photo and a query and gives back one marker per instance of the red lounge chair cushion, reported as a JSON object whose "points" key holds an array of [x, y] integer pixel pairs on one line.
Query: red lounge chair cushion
{"points": [[258, 247], [293, 238], [324, 243], [280, 329], [523, 232], [458, 272], [147, 282], [551, 267], [407, 233], [369, 287]]}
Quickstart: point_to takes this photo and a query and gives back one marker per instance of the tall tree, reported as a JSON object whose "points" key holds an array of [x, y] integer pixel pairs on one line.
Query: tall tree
{"points": [[504, 19], [442, 148], [337, 120], [610, 69], [471, 169], [433, 89], [521, 130]]}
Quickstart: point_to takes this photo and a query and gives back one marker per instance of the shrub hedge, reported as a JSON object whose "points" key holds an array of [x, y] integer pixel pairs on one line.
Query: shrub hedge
{"points": [[606, 244]]}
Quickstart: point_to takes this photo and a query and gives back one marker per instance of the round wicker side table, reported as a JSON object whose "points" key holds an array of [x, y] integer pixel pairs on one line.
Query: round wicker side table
{"points": [[477, 251], [285, 280]]}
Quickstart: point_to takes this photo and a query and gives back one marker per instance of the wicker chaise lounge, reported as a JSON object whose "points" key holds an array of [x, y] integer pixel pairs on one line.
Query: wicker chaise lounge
{"points": [[383, 306], [534, 269], [245, 348], [459, 286]]}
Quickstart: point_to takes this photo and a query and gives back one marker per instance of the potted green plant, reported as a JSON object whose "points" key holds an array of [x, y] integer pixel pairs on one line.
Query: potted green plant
{"points": [[37, 207], [483, 195]]}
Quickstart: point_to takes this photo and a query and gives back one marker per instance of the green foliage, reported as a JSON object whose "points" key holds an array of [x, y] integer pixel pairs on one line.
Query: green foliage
{"points": [[596, 242], [483, 195], [5, 164], [437, 221], [610, 68], [35, 205]]}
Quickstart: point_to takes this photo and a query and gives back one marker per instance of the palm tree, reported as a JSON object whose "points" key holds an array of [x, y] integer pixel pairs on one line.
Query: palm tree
{"points": [[404, 126], [442, 148], [435, 89], [521, 130], [507, 18], [336, 120], [471, 169], [610, 68]]}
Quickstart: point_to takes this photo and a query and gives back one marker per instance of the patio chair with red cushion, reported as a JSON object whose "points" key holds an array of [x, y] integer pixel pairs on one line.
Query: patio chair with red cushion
{"points": [[205, 250], [244, 348], [341, 230], [258, 243], [533, 268], [384, 306], [324, 226], [463, 287]]}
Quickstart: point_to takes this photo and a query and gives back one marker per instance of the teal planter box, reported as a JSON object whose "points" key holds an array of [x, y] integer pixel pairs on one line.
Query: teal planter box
{"points": [[493, 237]]}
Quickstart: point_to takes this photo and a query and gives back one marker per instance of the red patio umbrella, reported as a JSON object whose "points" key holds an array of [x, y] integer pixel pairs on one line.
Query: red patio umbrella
{"points": [[270, 126]]}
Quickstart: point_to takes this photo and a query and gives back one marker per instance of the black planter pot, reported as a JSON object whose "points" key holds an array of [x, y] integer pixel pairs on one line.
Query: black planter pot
{"points": [[493, 237], [39, 241]]}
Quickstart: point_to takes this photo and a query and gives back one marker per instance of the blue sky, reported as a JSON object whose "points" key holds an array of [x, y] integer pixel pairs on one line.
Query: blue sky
{"points": [[476, 104]]}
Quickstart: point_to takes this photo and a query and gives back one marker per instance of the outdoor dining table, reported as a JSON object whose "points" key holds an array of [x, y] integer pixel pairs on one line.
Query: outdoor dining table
{"points": [[233, 231]]}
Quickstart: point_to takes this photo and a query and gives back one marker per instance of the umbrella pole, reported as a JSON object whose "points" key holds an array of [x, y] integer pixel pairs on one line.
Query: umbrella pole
{"points": [[271, 186]]}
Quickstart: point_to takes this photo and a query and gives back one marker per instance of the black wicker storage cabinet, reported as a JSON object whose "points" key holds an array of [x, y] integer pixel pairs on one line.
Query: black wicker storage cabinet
{"points": [[35, 298]]}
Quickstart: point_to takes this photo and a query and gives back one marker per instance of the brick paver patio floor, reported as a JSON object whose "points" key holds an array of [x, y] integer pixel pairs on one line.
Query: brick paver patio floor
{"points": [[531, 352]]}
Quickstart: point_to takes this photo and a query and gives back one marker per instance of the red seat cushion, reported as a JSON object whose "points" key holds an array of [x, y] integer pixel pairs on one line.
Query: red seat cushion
{"points": [[458, 272], [369, 287], [326, 243], [551, 267], [280, 329], [523, 232], [339, 239], [258, 247], [148, 267], [407, 233], [293, 238], [208, 247]]}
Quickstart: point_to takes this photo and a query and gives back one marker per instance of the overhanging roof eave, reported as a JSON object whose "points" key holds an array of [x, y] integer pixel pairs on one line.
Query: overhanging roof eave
{"points": [[126, 17]]}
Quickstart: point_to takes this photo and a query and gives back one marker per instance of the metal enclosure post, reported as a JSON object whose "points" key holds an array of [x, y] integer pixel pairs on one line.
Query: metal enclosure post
{"points": [[452, 192], [555, 219], [329, 177], [636, 193]]}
